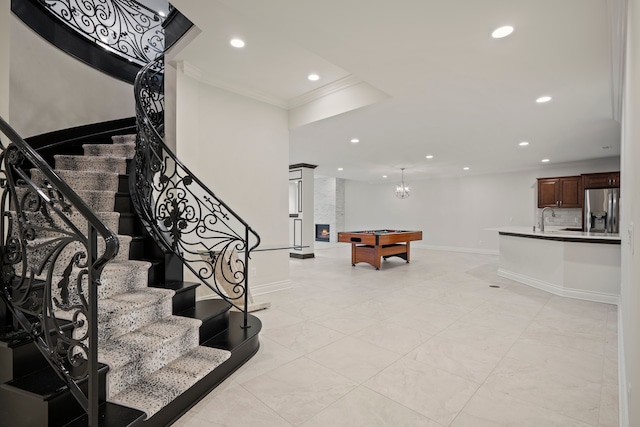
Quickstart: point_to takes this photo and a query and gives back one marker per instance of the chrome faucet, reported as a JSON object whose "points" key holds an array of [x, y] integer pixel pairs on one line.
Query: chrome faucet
{"points": [[553, 214]]}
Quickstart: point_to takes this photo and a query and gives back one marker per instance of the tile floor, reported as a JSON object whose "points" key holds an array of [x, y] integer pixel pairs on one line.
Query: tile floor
{"points": [[431, 343]]}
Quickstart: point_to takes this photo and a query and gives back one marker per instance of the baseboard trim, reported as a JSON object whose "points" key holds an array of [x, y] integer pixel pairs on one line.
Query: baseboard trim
{"points": [[302, 256], [623, 398], [456, 249], [268, 288], [256, 290], [560, 291]]}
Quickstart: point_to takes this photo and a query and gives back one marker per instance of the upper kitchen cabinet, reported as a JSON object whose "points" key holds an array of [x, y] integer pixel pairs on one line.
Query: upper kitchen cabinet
{"points": [[601, 180], [562, 192]]}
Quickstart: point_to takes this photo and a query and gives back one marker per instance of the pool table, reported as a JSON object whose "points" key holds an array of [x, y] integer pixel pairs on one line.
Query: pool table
{"points": [[370, 246]]}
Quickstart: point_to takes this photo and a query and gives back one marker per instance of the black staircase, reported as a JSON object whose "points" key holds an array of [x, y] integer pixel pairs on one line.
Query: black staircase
{"points": [[50, 374]]}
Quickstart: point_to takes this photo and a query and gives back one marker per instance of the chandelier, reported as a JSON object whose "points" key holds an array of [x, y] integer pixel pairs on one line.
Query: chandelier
{"points": [[402, 189]]}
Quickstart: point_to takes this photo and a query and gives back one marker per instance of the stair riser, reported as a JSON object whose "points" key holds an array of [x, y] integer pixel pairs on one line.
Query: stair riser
{"points": [[19, 360], [153, 359], [36, 255], [124, 139], [43, 223], [115, 324], [91, 163], [82, 180], [127, 150], [18, 408], [214, 326], [98, 201], [117, 278]]}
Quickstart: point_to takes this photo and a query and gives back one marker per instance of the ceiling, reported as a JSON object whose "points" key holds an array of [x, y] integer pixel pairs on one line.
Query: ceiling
{"points": [[450, 89]]}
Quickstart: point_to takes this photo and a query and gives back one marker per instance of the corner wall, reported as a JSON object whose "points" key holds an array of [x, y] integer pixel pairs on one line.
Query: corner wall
{"points": [[240, 149], [5, 57], [454, 213], [43, 97], [629, 313]]}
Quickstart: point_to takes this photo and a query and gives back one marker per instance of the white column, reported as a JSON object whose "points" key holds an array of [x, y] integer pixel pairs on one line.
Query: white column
{"points": [[301, 212]]}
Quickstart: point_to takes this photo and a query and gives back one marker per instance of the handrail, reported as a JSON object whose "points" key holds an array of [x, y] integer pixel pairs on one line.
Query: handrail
{"points": [[58, 266], [179, 210]]}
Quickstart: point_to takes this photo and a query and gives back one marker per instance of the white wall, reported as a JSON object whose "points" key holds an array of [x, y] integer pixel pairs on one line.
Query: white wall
{"points": [[44, 98], [240, 149], [5, 49], [455, 212], [629, 314]]}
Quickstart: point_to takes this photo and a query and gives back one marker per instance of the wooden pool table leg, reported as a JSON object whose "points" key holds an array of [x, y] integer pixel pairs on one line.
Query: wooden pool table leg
{"points": [[353, 254]]}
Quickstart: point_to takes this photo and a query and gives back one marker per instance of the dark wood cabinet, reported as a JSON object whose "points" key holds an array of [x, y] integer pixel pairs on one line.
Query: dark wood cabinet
{"points": [[601, 180], [561, 192]]}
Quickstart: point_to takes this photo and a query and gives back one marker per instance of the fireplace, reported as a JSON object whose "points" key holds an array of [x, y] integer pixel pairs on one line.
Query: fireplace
{"points": [[322, 232]]}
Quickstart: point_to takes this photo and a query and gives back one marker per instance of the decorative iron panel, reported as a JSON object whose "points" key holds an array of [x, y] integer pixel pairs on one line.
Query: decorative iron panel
{"points": [[124, 27]]}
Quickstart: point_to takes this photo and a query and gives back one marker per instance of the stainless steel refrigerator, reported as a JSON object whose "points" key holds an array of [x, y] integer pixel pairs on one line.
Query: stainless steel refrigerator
{"points": [[602, 210]]}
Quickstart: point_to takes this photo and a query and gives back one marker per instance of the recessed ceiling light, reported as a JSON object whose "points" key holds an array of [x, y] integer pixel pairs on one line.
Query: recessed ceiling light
{"points": [[501, 32], [355, 140], [545, 160], [237, 43], [429, 156], [340, 169], [384, 176], [523, 144], [466, 168], [313, 77], [543, 99]]}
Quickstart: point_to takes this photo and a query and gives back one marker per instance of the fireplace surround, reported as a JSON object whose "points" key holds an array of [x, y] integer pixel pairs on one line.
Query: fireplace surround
{"points": [[322, 233]]}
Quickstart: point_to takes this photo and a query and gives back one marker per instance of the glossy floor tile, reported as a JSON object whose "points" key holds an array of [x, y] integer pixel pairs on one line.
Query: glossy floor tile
{"points": [[441, 341]]}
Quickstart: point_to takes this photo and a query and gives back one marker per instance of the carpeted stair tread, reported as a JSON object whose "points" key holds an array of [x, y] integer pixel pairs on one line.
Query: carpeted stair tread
{"points": [[143, 351], [39, 248], [80, 180], [153, 355], [151, 336], [97, 200], [124, 139], [121, 277], [126, 149], [124, 313], [157, 390], [95, 163], [110, 219]]}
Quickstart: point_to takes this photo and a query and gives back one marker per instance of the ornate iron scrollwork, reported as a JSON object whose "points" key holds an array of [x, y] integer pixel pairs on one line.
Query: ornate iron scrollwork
{"points": [[179, 210], [49, 274], [122, 26]]}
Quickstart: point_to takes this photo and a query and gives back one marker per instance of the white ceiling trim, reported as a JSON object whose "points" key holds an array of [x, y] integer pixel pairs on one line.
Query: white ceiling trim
{"points": [[323, 91], [195, 73]]}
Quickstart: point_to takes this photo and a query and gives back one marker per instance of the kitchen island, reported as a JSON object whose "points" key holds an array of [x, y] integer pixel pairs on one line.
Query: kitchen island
{"points": [[567, 263]]}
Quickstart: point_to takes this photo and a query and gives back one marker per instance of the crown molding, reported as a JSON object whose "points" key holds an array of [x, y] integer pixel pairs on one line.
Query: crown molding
{"points": [[323, 91], [333, 87], [189, 70], [247, 92], [195, 73]]}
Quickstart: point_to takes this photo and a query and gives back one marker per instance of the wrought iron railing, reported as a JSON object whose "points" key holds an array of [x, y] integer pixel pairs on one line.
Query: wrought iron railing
{"points": [[51, 265], [179, 210], [124, 27]]}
